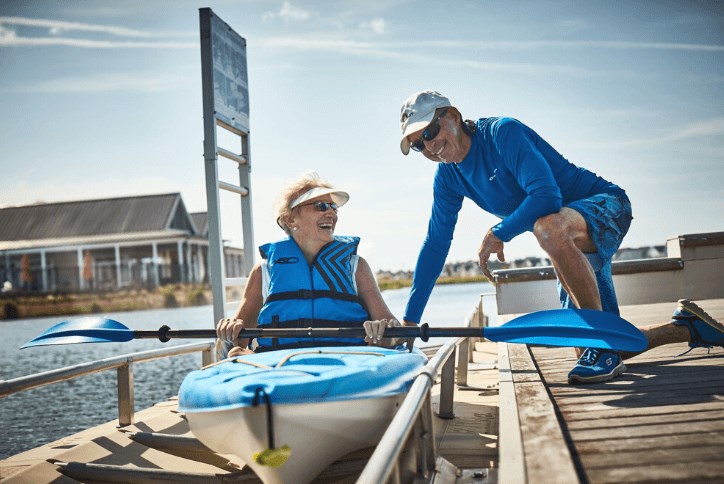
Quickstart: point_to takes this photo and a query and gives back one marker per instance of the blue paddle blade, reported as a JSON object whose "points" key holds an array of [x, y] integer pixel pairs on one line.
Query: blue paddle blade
{"points": [[571, 327], [83, 330]]}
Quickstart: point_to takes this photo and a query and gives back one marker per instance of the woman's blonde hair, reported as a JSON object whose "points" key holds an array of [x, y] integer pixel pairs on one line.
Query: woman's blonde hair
{"points": [[293, 191]]}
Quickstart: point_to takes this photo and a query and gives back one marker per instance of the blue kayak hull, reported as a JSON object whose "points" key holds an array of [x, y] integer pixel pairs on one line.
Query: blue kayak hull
{"points": [[325, 403], [301, 376]]}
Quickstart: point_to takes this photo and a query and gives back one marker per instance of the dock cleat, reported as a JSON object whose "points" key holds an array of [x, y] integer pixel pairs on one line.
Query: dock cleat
{"points": [[705, 331], [596, 366]]}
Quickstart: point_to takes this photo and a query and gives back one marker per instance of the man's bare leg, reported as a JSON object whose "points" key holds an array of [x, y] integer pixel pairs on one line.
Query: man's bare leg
{"points": [[564, 237], [689, 324], [659, 335]]}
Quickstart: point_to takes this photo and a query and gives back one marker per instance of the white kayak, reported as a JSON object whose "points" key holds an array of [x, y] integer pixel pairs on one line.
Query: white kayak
{"points": [[288, 414]]}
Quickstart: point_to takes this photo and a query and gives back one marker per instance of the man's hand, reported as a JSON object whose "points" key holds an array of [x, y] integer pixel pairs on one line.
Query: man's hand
{"points": [[491, 244]]}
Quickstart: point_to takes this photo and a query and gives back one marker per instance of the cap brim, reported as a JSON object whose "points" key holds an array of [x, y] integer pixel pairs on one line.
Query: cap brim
{"points": [[340, 197], [414, 128]]}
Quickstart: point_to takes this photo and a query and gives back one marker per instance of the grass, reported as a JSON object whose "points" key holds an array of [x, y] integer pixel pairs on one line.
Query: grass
{"points": [[34, 306]]}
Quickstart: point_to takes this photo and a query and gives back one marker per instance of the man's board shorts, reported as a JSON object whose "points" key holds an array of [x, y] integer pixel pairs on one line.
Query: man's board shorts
{"points": [[608, 218]]}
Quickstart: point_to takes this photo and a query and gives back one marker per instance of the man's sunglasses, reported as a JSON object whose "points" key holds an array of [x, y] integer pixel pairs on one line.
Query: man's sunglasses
{"points": [[322, 206], [432, 130]]}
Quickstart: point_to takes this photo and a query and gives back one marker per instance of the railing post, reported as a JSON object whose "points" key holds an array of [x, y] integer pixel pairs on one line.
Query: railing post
{"points": [[125, 394], [427, 439], [447, 387], [462, 377]]}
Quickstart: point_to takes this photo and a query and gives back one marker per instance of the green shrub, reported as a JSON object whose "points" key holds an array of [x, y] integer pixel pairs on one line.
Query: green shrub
{"points": [[196, 297], [169, 296]]}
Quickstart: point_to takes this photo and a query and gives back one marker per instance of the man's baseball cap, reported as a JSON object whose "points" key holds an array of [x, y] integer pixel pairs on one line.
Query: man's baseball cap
{"points": [[417, 112]]}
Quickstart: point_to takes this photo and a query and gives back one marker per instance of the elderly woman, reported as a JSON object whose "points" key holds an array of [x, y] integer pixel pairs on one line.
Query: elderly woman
{"points": [[312, 278]]}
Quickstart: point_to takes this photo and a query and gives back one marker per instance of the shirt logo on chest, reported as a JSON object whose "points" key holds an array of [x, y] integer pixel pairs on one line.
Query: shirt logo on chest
{"points": [[495, 173]]}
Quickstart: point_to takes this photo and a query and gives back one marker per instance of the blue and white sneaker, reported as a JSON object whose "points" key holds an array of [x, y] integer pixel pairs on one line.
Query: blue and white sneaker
{"points": [[596, 366], [706, 332]]}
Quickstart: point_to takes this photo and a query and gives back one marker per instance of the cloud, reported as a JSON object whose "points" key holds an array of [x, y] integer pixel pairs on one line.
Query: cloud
{"points": [[560, 44], [383, 50], [403, 48], [710, 127], [697, 129], [57, 28], [138, 82], [288, 13], [341, 46], [377, 25]]}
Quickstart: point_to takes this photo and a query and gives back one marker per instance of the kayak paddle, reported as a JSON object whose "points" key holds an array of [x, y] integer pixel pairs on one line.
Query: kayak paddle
{"points": [[555, 327]]}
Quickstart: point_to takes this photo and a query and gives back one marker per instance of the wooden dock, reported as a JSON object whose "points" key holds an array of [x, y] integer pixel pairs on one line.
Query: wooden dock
{"points": [[662, 421], [516, 421]]}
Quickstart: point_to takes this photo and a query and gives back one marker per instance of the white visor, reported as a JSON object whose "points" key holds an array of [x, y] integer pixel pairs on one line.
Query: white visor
{"points": [[338, 196]]}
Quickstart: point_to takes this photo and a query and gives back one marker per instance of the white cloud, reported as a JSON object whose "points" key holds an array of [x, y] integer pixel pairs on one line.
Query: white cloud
{"points": [[6, 35], [139, 82], [12, 40], [377, 25], [710, 127], [698, 129], [56, 29], [288, 13], [389, 50]]}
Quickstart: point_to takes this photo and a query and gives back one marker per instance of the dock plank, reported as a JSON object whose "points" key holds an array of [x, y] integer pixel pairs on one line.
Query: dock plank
{"points": [[662, 421], [470, 439]]}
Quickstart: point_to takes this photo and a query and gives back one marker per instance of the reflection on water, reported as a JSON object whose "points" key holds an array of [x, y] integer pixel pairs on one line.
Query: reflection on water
{"points": [[45, 414]]}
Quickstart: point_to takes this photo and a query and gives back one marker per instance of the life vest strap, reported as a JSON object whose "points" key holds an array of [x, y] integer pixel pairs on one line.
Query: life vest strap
{"points": [[311, 294]]}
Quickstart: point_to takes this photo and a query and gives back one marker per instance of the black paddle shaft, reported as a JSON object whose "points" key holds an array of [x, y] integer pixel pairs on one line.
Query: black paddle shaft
{"points": [[424, 332]]}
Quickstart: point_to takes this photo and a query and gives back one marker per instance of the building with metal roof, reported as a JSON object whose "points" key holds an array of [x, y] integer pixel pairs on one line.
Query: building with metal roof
{"points": [[112, 243]]}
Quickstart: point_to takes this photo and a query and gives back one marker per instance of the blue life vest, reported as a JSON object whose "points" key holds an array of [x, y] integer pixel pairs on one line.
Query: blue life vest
{"points": [[322, 296]]}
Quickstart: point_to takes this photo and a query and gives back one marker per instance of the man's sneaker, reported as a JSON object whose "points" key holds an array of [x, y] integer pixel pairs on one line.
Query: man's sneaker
{"points": [[705, 331], [596, 366]]}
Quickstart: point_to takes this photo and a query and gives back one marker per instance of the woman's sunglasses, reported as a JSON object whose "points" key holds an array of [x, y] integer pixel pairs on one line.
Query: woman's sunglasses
{"points": [[432, 130], [322, 206]]}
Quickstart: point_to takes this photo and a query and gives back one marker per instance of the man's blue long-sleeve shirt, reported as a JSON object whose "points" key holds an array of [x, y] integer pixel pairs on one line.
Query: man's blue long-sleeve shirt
{"points": [[510, 172]]}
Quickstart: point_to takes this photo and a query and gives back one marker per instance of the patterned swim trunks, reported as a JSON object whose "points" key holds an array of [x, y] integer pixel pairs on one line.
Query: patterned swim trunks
{"points": [[608, 218]]}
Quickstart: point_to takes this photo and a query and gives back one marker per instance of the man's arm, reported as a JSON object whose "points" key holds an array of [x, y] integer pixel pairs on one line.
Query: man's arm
{"points": [[445, 207], [532, 173]]}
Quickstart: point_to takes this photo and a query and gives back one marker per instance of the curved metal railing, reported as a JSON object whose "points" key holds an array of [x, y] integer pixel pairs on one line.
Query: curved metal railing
{"points": [[124, 366]]}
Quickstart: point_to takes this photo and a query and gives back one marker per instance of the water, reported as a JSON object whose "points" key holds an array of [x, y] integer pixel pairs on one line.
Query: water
{"points": [[41, 415]]}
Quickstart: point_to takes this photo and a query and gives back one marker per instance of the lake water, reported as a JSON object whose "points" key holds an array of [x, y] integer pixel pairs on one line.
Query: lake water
{"points": [[41, 415]]}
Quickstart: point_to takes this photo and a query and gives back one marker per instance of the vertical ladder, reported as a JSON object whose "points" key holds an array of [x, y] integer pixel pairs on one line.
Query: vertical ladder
{"points": [[219, 111]]}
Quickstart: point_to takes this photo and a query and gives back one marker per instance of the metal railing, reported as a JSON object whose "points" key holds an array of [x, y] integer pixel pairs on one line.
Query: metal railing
{"points": [[415, 414], [124, 366]]}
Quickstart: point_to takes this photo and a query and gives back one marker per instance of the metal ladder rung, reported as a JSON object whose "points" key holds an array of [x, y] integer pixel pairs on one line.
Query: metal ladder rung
{"points": [[233, 188], [235, 281], [240, 159], [231, 306]]}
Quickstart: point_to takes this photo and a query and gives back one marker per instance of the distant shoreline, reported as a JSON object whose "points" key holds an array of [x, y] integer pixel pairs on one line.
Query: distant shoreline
{"points": [[22, 306], [388, 284]]}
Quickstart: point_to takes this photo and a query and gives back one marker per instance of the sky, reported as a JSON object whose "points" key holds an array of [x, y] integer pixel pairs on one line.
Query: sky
{"points": [[103, 99]]}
